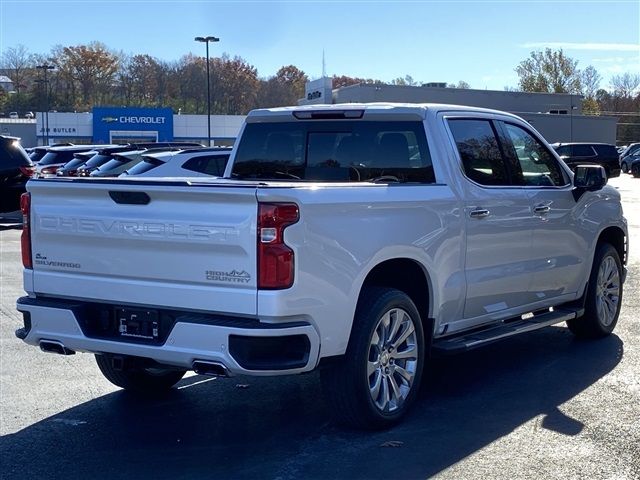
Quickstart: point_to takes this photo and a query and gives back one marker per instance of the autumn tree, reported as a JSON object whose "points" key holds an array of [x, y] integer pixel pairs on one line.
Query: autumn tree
{"points": [[142, 80], [285, 88], [345, 81], [234, 85], [550, 71], [89, 71]]}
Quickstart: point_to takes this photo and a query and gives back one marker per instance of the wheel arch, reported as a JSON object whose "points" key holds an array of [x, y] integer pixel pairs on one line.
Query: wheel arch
{"points": [[617, 238], [409, 276]]}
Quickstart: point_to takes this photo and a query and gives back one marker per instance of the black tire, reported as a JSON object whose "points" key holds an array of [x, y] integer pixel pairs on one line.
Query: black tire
{"points": [[635, 172], [624, 167], [346, 381], [137, 378], [598, 323]]}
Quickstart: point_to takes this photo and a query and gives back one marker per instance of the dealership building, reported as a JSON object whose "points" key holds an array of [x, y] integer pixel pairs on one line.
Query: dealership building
{"points": [[124, 124], [558, 117]]}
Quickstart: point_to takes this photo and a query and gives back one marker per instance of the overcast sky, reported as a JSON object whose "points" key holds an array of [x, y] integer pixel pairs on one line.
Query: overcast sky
{"points": [[479, 42]]}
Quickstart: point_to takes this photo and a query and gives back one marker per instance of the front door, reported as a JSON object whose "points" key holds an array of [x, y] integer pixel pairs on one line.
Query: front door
{"points": [[559, 252], [498, 220]]}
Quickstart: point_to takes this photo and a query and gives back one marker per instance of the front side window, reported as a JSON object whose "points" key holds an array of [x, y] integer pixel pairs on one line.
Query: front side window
{"points": [[539, 167], [335, 151], [479, 151]]}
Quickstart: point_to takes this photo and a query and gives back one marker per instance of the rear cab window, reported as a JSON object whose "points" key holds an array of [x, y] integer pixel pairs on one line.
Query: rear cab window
{"points": [[335, 151]]}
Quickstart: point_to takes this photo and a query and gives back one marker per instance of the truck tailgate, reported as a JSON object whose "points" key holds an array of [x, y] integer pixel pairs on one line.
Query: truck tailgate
{"points": [[183, 246]]}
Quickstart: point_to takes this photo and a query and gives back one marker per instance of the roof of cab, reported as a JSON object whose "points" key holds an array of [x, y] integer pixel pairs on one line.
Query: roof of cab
{"points": [[419, 109]]}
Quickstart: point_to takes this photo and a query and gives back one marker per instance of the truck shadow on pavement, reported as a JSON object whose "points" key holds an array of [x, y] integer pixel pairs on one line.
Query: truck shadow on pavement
{"points": [[279, 428]]}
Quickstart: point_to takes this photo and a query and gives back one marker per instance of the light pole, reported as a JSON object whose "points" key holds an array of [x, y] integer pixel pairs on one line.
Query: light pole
{"points": [[206, 40], [45, 67]]}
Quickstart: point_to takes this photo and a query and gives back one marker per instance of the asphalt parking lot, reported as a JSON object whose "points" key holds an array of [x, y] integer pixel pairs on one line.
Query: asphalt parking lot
{"points": [[543, 405]]}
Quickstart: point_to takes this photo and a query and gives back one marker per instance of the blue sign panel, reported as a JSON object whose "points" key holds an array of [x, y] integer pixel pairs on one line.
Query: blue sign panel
{"points": [[113, 123]]}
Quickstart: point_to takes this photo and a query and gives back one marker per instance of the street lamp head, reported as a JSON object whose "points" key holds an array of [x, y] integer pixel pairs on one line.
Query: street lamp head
{"points": [[207, 39]]}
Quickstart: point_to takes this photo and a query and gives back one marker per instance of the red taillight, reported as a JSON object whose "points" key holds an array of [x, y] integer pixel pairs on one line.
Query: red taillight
{"points": [[27, 170], [25, 239], [49, 170], [275, 258]]}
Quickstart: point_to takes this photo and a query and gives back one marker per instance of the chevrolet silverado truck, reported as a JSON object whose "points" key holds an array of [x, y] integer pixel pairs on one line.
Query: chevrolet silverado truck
{"points": [[359, 240]]}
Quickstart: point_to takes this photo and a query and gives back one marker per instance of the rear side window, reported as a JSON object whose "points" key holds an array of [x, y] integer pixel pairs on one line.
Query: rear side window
{"points": [[149, 163], [53, 158], [208, 164], [583, 151], [479, 151], [608, 151], [340, 151]]}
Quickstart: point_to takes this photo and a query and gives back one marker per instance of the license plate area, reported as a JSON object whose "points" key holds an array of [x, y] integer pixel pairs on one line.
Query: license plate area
{"points": [[138, 323]]}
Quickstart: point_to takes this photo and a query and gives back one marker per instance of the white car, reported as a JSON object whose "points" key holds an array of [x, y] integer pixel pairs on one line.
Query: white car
{"points": [[185, 163]]}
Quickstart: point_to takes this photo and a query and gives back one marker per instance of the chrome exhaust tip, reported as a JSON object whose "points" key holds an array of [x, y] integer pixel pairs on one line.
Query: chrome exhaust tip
{"points": [[53, 346], [212, 369]]}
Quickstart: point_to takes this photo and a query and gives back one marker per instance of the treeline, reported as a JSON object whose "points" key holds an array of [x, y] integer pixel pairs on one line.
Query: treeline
{"points": [[88, 75]]}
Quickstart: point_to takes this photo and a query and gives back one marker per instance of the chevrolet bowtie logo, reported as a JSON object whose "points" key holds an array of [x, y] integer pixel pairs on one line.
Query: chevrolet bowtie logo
{"points": [[109, 119]]}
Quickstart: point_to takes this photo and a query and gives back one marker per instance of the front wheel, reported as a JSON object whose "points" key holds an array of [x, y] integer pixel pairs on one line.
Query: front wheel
{"points": [[376, 381], [624, 167], [139, 378], [604, 295]]}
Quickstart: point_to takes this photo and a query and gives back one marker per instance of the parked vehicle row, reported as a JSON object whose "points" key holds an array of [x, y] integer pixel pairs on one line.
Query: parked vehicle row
{"points": [[186, 159], [582, 153]]}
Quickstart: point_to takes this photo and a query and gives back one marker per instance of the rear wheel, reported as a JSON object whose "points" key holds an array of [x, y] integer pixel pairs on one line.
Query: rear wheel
{"points": [[137, 377], [624, 167], [604, 295], [376, 381]]}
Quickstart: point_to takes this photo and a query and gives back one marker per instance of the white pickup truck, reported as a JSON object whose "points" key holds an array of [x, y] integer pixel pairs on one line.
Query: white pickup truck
{"points": [[357, 239]]}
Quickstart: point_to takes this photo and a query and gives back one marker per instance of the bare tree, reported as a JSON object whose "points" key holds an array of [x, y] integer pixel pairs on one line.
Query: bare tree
{"points": [[18, 64], [625, 85]]}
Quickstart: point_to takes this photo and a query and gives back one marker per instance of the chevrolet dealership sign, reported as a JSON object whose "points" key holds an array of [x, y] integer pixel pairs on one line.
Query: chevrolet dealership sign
{"points": [[107, 120]]}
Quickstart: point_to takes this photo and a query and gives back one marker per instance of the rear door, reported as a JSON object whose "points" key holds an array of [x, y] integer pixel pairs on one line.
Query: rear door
{"points": [[153, 243]]}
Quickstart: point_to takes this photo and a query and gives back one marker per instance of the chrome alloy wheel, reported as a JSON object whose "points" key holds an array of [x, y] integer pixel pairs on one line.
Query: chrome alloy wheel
{"points": [[607, 291], [393, 360]]}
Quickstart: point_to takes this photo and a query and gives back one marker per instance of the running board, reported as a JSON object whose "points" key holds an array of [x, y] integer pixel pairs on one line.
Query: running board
{"points": [[507, 328]]}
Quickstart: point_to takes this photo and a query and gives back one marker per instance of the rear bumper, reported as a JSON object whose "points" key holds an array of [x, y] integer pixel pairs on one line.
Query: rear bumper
{"points": [[187, 341]]}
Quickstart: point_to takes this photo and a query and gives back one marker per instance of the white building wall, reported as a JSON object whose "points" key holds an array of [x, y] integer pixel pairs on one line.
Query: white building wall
{"points": [[195, 126]]}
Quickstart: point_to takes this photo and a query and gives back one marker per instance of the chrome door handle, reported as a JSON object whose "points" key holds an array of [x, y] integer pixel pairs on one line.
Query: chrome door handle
{"points": [[541, 209], [479, 213]]}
